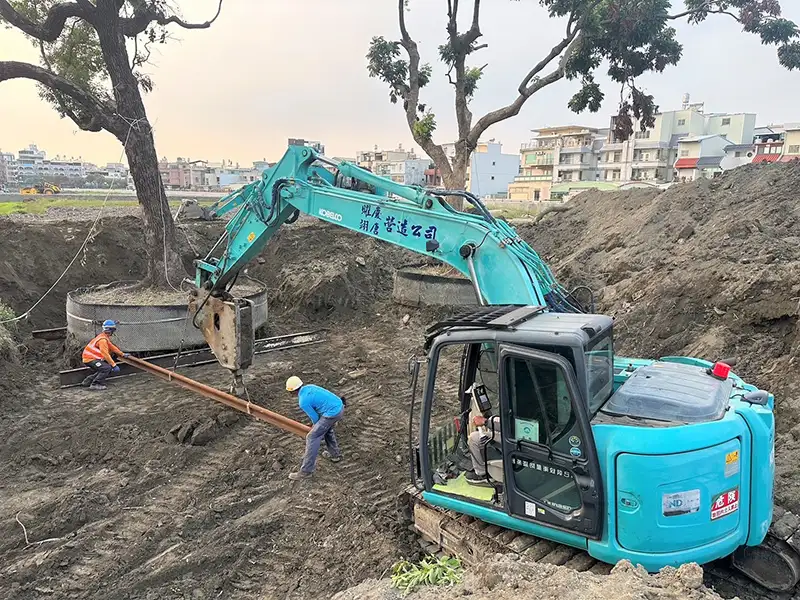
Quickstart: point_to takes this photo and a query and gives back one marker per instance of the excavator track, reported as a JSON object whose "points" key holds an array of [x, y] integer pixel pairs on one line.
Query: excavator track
{"points": [[768, 572]]}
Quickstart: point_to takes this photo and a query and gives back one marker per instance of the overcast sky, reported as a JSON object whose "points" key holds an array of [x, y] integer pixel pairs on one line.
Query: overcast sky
{"points": [[272, 69]]}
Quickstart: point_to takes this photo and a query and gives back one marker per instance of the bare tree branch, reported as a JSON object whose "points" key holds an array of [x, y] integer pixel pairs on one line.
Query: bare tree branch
{"points": [[53, 25], [513, 109], [150, 13], [542, 64], [101, 114], [706, 8], [411, 99]]}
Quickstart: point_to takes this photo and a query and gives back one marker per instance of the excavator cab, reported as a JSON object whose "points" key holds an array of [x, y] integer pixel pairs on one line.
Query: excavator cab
{"points": [[538, 384]]}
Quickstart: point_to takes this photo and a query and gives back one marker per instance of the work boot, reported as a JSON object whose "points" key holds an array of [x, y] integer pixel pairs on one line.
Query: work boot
{"points": [[97, 386], [475, 479], [87, 381], [299, 476], [327, 455]]}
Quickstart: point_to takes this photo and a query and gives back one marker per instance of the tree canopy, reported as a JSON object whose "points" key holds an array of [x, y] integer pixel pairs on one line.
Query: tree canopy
{"points": [[91, 59]]}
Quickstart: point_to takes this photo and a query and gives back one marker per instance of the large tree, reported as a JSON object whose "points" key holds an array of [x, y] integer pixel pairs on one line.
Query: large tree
{"points": [[92, 54], [631, 37]]}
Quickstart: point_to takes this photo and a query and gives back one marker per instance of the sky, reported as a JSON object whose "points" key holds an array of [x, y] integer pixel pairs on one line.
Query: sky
{"points": [[268, 70]]}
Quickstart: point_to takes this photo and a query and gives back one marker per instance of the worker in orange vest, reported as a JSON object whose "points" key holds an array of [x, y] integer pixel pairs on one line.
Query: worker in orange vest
{"points": [[99, 355]]}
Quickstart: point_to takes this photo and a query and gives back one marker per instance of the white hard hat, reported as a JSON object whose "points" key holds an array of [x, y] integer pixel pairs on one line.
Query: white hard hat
{"points": [[293, 383]]}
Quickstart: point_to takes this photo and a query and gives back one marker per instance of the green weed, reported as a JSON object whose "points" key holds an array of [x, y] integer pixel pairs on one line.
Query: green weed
{"points": [[407, 576]]}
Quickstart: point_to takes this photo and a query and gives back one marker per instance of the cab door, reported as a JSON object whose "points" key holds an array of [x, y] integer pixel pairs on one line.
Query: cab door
{"points": [[551, 471]]}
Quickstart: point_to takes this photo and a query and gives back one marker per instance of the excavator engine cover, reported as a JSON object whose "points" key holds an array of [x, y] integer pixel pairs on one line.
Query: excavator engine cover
{"points": [[227, 327]]}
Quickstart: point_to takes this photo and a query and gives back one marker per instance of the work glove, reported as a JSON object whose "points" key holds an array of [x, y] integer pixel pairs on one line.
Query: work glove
{"points": [[115, 369]]}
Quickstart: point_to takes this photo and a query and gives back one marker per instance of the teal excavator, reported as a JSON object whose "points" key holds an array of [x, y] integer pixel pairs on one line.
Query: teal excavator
{"points": [[661, 462]]}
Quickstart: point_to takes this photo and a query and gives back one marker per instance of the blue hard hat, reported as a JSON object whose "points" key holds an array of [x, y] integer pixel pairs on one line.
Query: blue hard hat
{"points": [[109, 324]]}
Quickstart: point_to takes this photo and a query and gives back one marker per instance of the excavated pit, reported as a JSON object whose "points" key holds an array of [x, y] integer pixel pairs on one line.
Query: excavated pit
{"points": [[136, 511], [421, 286]]}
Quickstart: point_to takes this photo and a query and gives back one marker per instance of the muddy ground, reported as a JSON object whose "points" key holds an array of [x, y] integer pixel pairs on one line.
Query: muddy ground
{"points": [[130, 511]]}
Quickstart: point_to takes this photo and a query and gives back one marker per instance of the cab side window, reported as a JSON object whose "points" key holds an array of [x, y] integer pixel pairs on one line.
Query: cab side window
{"points": [[540, 402]]}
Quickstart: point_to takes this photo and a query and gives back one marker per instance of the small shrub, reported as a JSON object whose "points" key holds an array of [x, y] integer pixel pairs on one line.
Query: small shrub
{"points": [[445, 571]]}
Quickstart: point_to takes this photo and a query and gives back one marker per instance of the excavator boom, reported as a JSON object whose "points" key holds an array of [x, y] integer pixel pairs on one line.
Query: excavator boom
{"points": [[503, 268]]}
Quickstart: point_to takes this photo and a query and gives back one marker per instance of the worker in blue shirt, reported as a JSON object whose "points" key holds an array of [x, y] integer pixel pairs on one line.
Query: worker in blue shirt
{"points": [[325, 409]]}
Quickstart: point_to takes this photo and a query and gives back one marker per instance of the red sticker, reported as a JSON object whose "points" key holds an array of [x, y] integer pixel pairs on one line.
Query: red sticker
{"points": [[725, 504]]}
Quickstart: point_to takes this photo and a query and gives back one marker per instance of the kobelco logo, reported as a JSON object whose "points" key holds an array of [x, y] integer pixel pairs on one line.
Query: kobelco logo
{"points": [[330, 215]]}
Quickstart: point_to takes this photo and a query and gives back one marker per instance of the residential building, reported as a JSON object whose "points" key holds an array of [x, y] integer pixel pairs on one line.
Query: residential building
{"points": [[410, 171], [737, 155], [700, 156], [8, 169], [490, 171], [318, 146], [380, 161], [768, 142], [30, 164], [183, 174], [554, 155], [650, 155], [791, 147]]}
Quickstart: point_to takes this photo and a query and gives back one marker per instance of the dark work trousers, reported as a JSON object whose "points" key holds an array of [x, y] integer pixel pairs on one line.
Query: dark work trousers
{"points": [[321, 429], [100, 370]]}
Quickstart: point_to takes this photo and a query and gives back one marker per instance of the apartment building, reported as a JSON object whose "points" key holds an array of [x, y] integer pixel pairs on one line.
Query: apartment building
{"points": [[318, 146], [791, 143], [556, 154], [399, 165], [8, 168], [650, 155]]}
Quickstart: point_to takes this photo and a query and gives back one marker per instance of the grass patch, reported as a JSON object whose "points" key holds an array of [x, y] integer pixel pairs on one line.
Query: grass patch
{"points": [[444, 571], [41, 205]]}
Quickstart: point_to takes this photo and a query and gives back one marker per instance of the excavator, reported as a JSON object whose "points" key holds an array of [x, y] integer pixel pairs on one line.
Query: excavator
{"points": [[43, 188], [658, 461]]}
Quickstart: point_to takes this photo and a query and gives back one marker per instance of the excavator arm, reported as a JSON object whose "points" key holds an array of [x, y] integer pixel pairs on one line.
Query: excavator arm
{"points": [[502, 267]]}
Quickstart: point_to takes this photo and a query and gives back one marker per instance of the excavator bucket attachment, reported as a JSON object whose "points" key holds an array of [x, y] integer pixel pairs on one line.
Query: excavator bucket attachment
{"points": [[190, 209], [227, 326]]}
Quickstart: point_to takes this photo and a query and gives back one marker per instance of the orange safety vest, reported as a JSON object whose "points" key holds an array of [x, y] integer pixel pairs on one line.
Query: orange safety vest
{"points": [[92, 350]]}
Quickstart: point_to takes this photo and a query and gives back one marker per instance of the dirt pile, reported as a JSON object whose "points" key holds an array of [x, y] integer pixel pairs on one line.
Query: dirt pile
{"points": [[317, 272], [506, 579], [709, 269]]}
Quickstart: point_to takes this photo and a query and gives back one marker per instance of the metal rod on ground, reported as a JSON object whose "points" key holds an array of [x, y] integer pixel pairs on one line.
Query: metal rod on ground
{"points": [[258, 412]]}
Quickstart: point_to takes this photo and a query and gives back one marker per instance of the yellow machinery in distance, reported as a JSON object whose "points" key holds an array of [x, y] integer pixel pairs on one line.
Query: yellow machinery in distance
{"points": [[43, 188]]}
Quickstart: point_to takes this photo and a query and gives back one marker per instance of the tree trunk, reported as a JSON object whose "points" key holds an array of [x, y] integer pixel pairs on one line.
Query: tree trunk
{"points": [[456, 180], [164, 266]]}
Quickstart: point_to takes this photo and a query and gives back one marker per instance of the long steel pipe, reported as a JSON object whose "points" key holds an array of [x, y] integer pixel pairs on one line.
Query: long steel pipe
{"points": [[254, 410]]}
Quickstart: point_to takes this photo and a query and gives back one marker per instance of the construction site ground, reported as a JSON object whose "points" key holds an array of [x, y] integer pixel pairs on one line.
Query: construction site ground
{"points": [[146, 491]]}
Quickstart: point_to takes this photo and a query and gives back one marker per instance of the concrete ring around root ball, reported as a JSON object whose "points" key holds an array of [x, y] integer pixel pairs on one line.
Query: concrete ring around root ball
{"points": [[149, 320], [432, 286]]}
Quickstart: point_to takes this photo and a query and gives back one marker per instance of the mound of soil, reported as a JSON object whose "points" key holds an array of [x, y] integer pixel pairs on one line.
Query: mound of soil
{"points": [[131, 294], [319, 273], [709, 269], [506, 579]]}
